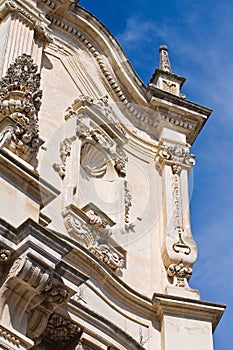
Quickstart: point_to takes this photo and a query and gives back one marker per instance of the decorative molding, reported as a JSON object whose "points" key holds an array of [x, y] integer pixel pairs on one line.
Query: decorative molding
{"points": [[180, 274], [176, 121], [109, 77], [20, 100], [8, 337], [98, 144]]}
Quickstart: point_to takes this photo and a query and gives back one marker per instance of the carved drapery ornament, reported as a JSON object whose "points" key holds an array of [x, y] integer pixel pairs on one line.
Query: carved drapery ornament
{"points": [[20, 100], [179, 243]]}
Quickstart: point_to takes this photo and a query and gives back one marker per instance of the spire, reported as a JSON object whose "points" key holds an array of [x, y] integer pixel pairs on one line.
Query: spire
{"points": [[163, 78], [164, 63]]}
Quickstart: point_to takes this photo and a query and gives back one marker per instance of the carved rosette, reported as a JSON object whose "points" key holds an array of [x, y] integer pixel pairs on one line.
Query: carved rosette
{"points": [[20, 100], [5, 254], [175, 161]]}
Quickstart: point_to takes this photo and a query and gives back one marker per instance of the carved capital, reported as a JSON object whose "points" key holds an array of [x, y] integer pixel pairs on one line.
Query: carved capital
{"points": [[30, 15], [175, 155]]}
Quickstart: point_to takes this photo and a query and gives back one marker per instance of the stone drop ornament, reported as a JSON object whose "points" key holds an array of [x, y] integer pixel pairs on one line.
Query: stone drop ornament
{"points": [[20, 101]]}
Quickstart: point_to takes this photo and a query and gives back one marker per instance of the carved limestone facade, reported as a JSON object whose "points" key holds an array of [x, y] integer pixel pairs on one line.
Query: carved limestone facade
{"points": [[96, 245]]}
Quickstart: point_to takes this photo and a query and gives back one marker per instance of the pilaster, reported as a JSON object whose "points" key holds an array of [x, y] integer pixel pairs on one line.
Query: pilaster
{"points": [[23, 30]]}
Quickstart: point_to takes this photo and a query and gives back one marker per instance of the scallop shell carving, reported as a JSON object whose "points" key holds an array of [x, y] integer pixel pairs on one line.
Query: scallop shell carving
{"points": [[93, 161]]}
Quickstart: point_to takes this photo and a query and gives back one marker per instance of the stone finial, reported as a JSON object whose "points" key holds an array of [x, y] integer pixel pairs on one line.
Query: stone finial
{"points": [[163, 78], [164, 63]]}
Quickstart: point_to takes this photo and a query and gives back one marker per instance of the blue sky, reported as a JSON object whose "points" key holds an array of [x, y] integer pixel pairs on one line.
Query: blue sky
{"points": [[199, 35]]}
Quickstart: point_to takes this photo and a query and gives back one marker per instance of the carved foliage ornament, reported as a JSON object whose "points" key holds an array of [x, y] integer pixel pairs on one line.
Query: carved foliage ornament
{"points": [[92, 236], [61, 330], [180, 274], [20, 100]]}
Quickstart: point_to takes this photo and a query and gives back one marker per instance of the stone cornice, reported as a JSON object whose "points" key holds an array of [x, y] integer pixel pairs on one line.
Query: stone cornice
{"points": [[179, 101], [34, 240], [201, 310], [178, 113]]}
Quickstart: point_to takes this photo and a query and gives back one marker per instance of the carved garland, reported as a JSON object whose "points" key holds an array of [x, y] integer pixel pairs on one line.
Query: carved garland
{"points": [[65, 149]]}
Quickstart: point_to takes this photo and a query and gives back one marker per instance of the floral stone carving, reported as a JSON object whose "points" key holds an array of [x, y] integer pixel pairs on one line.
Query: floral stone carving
{"points": [[20, 100]]}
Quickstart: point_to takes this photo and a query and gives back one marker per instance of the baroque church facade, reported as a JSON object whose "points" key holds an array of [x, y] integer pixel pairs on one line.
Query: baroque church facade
{"points": [[96, 249]]}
